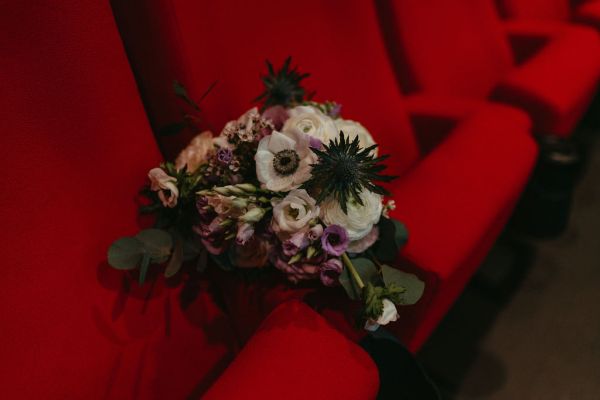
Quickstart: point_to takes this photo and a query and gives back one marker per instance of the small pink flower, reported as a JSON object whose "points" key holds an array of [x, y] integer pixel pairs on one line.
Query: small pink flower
{"points": [[330, 271], [244, 233], [165, 185], [315, 232]]}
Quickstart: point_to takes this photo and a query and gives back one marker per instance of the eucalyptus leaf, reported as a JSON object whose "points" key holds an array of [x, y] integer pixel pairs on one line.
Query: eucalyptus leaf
{"points": [[191, 249], [176, 258], [349, 285], [367, 270], [392, 236], [144, 268], [157, 243], [223, 261], [125, 253], [400, 233], [413, 286]]}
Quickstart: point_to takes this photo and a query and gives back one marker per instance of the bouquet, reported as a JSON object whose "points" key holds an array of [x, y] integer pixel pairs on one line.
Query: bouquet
{"points": [[293, 187]]}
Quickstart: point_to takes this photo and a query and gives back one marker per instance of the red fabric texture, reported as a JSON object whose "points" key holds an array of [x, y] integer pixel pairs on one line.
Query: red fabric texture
{"points": [[344, 51], [554, 10], [485, 193], [459, 48], [589, 13], [77, 146], [296, 354]]}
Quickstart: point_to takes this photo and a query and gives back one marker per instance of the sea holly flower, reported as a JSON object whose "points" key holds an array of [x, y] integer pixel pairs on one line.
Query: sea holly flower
{"points": [[359, 219], [330, 271], [283, 161], [312, 122], [165, 185], [293, 213], [334, 240], [282, 87]]}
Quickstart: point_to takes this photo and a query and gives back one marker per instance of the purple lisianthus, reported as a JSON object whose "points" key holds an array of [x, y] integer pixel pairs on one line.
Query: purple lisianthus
{"points": [[334, 240], [330, 271], [224, 156], [314, 143], [206, 213], [335, 110]]}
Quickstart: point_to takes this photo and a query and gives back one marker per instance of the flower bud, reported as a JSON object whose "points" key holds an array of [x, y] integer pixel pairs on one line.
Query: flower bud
{"points": [[254, 215]]}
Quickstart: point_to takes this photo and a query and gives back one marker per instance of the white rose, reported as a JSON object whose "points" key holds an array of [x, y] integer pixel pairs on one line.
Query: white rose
{"points": [[312, 122], [359, 220], [161, 182], [388, 315], [293, 213], [283, 161], [353, 129]]}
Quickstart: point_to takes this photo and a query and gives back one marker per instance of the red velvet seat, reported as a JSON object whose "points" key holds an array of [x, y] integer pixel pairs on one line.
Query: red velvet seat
{"points": [[457, 197], [461, 48], [76, 147], [587, 12]]}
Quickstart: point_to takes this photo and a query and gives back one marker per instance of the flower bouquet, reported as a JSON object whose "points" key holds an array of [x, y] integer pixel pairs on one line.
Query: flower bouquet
{"points": [[294, 188]]}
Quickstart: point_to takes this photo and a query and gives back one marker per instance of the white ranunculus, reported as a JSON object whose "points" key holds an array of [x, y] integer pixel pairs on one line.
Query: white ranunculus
{"points": [[161, 182], [283, 160], [294, 213], [312, 122], [353, 129], [388, 315], [359, 220]]}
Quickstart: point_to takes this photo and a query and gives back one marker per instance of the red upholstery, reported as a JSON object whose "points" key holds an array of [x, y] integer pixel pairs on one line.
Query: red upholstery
{"points": [[459, 47], [589, 13], [343, 49], [554, 10], [295, 354]]}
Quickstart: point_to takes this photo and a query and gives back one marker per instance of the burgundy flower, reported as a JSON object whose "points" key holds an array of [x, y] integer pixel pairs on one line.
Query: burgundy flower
{"points": [[334, 240], [330, 271], [294, 244]]}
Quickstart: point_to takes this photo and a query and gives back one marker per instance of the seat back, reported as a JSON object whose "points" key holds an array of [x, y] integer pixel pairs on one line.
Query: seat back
{"points": [[338, 42], [76, 147], [453, 47], [555, 10]]}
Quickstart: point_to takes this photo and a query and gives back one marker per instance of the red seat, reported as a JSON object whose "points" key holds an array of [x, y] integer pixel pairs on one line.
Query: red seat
{"points": [[461, 48], [76, 147], [587, 12], [340, 44]]}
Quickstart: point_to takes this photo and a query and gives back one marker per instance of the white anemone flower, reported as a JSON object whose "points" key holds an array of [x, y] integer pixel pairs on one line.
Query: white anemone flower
{"points": [[283, 161]]}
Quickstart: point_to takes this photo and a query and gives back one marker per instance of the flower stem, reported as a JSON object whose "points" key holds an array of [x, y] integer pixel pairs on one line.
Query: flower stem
{"points": [[352, 270]]}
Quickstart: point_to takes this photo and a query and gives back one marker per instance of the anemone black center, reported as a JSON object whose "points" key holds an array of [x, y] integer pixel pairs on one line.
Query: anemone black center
{"points": [[286, 162]]}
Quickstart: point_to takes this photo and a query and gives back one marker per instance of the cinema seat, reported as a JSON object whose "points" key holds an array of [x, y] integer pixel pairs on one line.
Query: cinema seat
{"points": [[454, 197], [76, 147], [587, 12], [461, 48]]}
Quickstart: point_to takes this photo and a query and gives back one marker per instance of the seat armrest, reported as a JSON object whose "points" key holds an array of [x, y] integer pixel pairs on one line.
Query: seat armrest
{"points": [[296, 354], [451, 199]]}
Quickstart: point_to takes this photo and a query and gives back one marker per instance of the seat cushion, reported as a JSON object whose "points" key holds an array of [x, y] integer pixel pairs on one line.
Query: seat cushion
{"points": [[77, 147], [556, 86], [589, 13], [454, 204], [295, 354]]}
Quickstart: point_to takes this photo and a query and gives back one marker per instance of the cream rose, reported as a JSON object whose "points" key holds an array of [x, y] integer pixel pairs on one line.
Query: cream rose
{"points": [[359, 220], [353, 129], [312, 122], [196, 153], [388, 315], [293, 213]]}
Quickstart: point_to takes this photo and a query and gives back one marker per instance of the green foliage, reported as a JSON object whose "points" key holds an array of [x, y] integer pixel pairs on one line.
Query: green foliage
{"points": [[368, 274], [282, 87], [181, 92], [176, 258], [344, 169], [392, 237], [148, 246], [404, 288], [373, 301]]}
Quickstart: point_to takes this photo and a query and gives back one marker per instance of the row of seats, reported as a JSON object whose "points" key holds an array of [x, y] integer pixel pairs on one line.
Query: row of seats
{"points": [[423, 76]]}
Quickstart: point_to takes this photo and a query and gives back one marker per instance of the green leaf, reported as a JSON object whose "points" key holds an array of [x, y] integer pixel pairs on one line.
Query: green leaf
{"points": [[367, 270], [144, 268], [412, 285], [181, 92], [125, 253], [392, 236], [349, 285], [373, 302], [223, 261], [157, 244], [176, 258], [400, 233]]}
